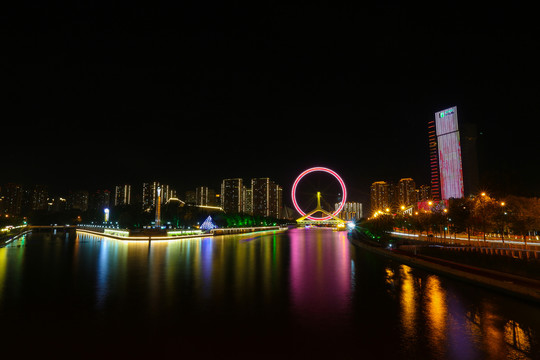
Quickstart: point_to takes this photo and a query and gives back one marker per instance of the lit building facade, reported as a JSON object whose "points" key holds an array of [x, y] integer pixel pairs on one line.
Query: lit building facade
{"points": [[352, 211], [78, 200], [150, 195], [445, 156], [406, 192], [380, 196], [12, 195], [122, 195], [266, 198], [248, 201], [232, 195], [424, 193], [201, 195], [40, 193]]}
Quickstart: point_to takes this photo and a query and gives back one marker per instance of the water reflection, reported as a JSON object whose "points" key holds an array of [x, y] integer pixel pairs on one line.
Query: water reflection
{"points": [[436, 312], [320, 272], [518, 338], [408, 305], [3, 267], [245, 284]]}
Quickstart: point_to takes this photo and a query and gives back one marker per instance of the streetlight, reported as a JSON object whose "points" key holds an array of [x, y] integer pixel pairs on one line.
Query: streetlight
{"points": [[504, 213], [445, 223]]}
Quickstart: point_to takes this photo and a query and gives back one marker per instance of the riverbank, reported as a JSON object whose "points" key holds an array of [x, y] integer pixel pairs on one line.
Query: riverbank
{"points": [[171, 235], [8, 237], [519, 286]]}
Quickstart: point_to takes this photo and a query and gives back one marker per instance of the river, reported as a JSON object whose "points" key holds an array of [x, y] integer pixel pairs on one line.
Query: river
{"points": [[303, 292]]}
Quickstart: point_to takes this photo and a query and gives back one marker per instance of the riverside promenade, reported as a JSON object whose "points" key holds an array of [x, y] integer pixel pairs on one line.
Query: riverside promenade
{"points": [[519, 286]]}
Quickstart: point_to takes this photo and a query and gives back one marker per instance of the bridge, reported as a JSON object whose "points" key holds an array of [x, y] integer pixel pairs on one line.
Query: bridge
{"points": [[52, 227], [328, 219]]}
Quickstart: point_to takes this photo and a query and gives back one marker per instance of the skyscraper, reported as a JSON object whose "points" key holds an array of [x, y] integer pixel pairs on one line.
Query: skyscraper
{"points": [[78, 200], [150, 197], [40, 194], [380, 196], [352, 211], [122, 195], [13, 197], [406, 191], [266, 197], [445, 156], [100, 200], [232, 195]]}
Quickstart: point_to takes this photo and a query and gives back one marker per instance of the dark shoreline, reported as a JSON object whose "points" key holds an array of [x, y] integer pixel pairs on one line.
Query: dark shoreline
{"points": [[524, 288]]}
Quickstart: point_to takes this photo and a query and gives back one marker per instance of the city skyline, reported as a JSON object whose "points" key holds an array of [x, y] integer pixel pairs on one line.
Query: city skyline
{"points": [[85, 108], [148, 201]]}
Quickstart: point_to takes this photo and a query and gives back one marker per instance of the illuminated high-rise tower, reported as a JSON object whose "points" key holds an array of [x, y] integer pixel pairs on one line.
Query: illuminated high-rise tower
{"points": [[266, 197], [122, 195], [445, 156], [380, 196], [231, 195], [406, 192]]}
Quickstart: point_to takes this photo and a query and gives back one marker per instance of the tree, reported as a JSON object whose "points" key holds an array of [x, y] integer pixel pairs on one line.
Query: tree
{"points": [[484, 209], [460, 215], [523, 214]]}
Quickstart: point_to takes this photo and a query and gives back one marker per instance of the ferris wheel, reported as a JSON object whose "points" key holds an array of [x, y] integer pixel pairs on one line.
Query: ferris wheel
{"points": [[327, 216]]}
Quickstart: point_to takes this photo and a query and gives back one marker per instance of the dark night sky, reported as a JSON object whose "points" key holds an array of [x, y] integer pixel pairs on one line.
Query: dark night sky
{"points": [[191, 93]]}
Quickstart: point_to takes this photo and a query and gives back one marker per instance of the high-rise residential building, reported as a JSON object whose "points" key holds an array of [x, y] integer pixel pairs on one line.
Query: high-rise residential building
{"points": [[232, 195], [266, 198], [424, 193], [213, 198], [406, 190], [149, 195], [279, 201], [78, 200], [202, 196], [352, 211], [58, 204], [99, 200], [262, 196], [12, 198], [380, 196], [248, 201], [191, 197], [167, 192], [122, 195], [445, 156], [39, 197]]}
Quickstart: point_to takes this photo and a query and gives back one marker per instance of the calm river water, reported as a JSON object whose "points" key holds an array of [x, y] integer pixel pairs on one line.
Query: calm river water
{"points": [[304, 292]]}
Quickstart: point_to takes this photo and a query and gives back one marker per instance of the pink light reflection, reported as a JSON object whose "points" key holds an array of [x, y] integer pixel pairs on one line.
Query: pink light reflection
{"points": [[320, 273]]}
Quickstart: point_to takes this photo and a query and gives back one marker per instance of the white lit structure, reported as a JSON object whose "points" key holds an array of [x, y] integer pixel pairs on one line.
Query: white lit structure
{"points": [[158, 207]]}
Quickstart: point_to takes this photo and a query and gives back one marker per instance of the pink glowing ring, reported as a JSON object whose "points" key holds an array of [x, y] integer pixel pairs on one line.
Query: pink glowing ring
{"points": [[328, 171]]}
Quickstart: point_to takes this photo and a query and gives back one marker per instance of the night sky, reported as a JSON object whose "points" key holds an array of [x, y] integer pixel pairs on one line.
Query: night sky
{"points": [[190, 93]]}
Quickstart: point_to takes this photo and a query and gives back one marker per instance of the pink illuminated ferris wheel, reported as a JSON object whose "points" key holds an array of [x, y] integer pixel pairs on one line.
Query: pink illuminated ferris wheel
{"points": [[327, 215]]}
